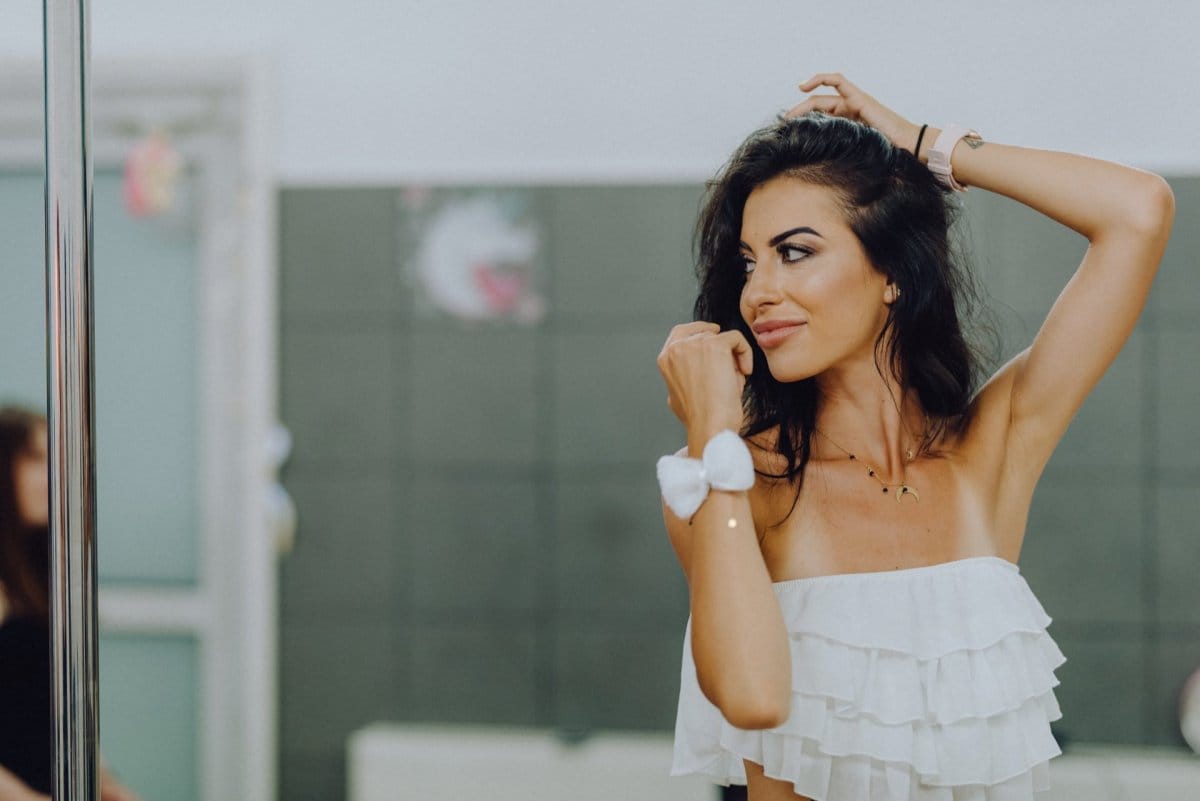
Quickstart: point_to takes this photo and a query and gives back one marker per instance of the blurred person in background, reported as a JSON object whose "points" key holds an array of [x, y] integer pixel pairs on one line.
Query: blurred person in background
{"points": [[26, 718]]}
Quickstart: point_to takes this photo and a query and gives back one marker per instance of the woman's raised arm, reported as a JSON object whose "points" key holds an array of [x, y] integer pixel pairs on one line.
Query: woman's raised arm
{"points": [[1126, 215]]}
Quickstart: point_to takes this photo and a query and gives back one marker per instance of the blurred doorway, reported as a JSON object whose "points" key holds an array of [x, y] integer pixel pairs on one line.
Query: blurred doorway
{"points": [[185, 405]]}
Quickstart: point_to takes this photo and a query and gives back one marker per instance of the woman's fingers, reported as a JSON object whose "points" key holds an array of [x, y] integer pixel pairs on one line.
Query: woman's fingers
{"points": [[685, 330], [698, 326], [853, 103], [743, 355], [831, 104], [848, 101], [834, 79], [698, 377]]}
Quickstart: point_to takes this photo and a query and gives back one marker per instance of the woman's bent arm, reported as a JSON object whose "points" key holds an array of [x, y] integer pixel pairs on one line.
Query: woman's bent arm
{"points": [[739, 640], [1126, 215], [1088, 195]]}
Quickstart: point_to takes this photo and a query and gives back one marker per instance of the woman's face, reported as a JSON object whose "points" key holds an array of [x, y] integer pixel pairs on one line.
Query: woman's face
{"points": [[805, 265], [30, 472]]}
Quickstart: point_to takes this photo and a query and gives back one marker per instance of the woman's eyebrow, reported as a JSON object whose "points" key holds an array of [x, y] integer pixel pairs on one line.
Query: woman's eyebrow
{"points": [[804, 229], [775, 240]]}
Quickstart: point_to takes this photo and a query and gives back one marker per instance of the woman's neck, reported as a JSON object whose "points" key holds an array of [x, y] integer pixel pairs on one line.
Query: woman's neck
{"points": [[875, 421]]}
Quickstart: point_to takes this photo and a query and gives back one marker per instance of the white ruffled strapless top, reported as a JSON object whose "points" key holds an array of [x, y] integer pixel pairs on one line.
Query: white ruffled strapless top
{"points": [[931, 683]]}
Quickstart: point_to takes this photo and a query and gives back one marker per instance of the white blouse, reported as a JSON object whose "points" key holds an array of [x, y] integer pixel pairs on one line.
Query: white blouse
{"points": [[931, 683]]}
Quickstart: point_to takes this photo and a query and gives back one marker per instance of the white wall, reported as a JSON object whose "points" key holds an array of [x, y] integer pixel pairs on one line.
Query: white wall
{"points": [[379, 91]]}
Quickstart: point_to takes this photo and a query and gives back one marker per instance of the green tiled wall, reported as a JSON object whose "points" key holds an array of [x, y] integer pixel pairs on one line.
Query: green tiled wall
{"points": [[480, 533]]}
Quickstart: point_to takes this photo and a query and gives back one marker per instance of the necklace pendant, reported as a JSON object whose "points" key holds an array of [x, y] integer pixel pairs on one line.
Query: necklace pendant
{"points": [[907, 490]]}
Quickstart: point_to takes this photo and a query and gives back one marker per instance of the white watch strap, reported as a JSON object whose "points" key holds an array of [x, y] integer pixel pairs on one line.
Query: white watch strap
{"points": [[939, 154]]}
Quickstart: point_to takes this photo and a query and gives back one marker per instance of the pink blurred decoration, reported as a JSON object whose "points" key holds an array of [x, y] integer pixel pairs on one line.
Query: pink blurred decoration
{"points": [[152, 169], [475, 261], [416, 198], [501, 291]]}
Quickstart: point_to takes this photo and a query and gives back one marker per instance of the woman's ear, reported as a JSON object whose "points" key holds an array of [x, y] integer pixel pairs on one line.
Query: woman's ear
{"points": [[892, 292]]}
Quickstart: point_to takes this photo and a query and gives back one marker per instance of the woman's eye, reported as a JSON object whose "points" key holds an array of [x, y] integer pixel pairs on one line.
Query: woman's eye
{"points": [[749, 265], [789, 252]]}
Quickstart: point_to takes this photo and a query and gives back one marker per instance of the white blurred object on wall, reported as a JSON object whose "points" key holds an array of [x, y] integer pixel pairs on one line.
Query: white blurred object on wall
{"points": [[475, 257], [281, 510], [1189, 711]]}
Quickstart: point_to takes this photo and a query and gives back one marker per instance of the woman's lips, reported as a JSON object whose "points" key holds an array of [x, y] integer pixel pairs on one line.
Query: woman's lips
{"points": [[770, 339]]}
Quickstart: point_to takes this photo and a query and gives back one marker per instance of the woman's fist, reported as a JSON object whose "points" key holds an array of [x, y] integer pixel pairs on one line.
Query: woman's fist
{"points": [[705, 370]]}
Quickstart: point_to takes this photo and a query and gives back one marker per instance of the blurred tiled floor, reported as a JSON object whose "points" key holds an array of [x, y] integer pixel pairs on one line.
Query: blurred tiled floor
{"points": [[443, 762], [1123, 773]]}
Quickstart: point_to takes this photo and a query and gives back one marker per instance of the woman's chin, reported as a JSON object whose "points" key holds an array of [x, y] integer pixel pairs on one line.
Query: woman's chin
{"points": [[789, 371]]}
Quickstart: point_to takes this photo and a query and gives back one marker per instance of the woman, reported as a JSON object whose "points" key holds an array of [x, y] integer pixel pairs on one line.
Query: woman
{"points": [[25, 689], [859, 628]]}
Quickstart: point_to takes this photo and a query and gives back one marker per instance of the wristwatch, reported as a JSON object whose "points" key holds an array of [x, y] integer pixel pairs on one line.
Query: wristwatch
{"points": [[939, 154]]}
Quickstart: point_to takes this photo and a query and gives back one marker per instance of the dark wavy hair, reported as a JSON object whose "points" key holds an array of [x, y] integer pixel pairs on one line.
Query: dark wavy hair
{"points": [[903, 217], [24, 549]]}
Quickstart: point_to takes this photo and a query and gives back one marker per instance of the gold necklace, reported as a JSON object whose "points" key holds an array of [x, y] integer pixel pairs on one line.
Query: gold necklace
{"points": [[908, 455]]}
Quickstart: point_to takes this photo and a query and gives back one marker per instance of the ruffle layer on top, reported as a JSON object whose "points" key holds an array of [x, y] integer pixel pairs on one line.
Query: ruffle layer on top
{"points": [[927, 684]]}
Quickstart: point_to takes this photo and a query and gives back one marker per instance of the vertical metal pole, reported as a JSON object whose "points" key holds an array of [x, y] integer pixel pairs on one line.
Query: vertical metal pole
{"points": [[73, 623]]}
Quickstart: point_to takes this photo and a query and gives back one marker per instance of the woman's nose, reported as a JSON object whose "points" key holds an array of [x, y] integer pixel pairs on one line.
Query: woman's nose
{"points": [[762, 286]]}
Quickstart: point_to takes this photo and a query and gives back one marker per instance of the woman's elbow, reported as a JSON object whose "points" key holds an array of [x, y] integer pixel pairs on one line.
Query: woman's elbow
{"points": [[1154, 212], [764, 717], [752, 711]]}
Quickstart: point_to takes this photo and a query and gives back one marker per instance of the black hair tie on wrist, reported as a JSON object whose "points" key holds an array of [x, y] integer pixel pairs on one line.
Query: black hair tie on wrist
{"points": [[917, 149]]}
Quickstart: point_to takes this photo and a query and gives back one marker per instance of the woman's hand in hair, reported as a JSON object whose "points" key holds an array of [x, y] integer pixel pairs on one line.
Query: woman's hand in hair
{"points": [[705, 371], [855, 104]]}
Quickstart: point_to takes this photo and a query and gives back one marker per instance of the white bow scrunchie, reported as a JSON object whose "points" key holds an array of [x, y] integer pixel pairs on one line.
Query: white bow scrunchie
{"points": [[725, 464]]}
